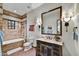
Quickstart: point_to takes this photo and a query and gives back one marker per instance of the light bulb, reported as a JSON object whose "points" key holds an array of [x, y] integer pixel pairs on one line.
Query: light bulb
{"points": [[66, 19]]}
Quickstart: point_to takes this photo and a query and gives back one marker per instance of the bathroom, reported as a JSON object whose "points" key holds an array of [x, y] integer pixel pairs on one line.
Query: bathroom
{"points": [[28, 30]]}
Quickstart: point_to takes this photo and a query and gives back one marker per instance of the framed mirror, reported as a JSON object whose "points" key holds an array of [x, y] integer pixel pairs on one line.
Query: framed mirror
{"points": [[51, 22]]}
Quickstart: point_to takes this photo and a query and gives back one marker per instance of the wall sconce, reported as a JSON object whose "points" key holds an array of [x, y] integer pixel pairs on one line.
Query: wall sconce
{"points": [[67, 17], [38, 22], [66, 23], [39, 26]]}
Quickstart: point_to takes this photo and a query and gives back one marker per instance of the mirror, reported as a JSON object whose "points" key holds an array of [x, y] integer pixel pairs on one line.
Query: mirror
{"points": [[51, 22]]}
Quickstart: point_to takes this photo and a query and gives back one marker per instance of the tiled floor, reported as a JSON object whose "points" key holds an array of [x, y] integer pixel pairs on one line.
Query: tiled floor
{"points": [[31, 52]]}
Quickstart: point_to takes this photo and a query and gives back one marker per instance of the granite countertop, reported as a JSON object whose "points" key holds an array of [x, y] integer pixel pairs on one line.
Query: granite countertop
{"points": [[51, 41]]}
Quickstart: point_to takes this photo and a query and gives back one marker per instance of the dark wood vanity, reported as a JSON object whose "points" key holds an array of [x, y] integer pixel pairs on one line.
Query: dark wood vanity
{"points": [[48, 49]]}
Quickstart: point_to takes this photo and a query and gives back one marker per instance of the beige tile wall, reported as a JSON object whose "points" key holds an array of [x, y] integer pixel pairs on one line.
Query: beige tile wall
{"points": [[11, 33], [1, 13]]}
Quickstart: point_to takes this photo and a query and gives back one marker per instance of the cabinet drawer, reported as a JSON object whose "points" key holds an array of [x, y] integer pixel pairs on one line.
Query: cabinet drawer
{"points": [[55, 46], [56, 54]]}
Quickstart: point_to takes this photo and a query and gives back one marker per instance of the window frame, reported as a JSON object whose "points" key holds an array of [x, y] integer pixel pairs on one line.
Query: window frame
{"points": [[11, 24]]}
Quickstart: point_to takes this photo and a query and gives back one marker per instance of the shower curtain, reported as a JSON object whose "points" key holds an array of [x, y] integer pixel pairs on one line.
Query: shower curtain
{"points": [[1, 40]]}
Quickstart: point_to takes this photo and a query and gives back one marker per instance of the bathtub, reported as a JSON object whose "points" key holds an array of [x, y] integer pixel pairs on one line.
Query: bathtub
{"points": [[12, 46], [12, 41]]}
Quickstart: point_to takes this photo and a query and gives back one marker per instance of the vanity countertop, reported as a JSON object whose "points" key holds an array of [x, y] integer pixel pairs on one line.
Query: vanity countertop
{"points": [[50, 41]]}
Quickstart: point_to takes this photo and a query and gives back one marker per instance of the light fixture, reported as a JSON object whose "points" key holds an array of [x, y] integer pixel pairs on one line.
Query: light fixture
{"points": [[38, 22], [67, 16]]}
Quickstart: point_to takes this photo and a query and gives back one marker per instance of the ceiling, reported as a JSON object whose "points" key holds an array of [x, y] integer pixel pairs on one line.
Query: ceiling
{"points": [[20, 8]]}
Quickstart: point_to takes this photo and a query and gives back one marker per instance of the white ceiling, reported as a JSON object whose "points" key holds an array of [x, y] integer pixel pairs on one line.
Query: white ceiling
{"points": [[20, 8]]}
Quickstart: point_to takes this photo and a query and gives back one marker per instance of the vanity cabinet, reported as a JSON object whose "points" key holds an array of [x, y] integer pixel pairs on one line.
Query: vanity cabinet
{"points": [[48, 49]]}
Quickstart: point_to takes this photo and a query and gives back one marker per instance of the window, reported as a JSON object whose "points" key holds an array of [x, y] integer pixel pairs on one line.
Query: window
{"points": [[11, 24]]}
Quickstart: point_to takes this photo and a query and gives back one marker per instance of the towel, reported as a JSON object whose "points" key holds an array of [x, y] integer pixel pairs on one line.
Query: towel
{"points": [[1, 37]]}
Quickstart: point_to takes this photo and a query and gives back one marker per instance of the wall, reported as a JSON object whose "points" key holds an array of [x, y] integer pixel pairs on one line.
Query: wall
{"points": [[23, 28], [67, 37], [1, 12], [10, 34], [76, 23]]}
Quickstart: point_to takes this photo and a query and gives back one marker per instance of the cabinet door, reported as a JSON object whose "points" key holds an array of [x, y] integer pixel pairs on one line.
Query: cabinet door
{"points": [[49, 51], [43, 50], [57, 50], [46, 50]]}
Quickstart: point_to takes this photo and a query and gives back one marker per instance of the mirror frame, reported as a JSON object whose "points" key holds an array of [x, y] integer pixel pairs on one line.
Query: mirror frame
{"points": [[60, 8]]}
